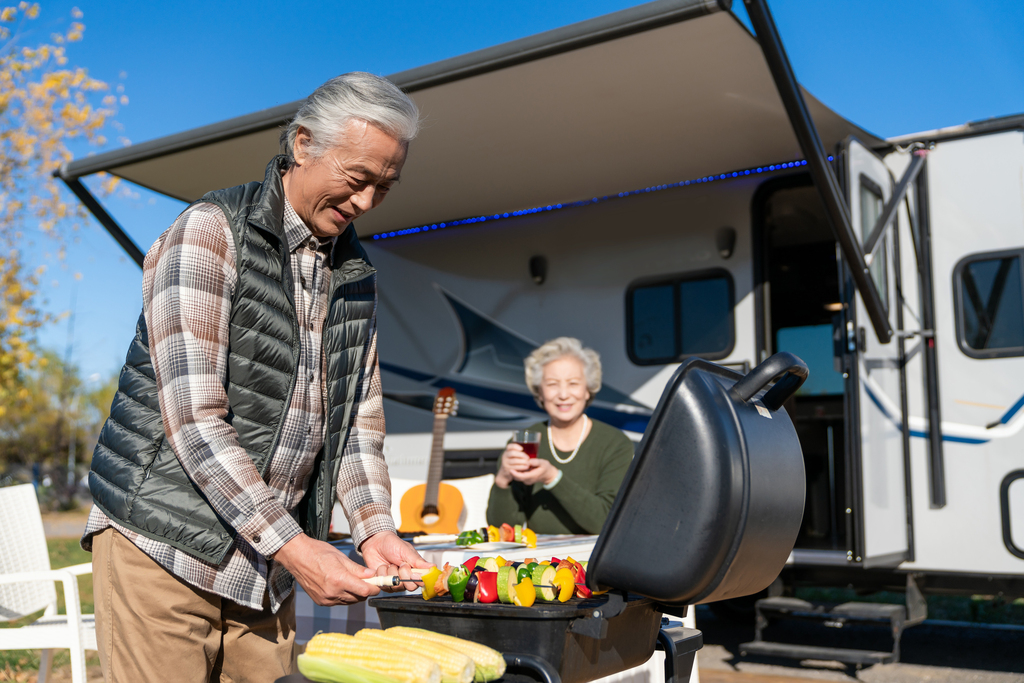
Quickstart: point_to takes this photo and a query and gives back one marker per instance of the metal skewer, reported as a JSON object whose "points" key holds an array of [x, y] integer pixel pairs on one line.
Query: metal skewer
{"points": [[394, 581]]}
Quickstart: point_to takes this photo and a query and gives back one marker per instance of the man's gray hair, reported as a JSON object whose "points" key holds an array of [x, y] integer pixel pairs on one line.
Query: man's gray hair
{"points": [[562, 347], [356, 95]]}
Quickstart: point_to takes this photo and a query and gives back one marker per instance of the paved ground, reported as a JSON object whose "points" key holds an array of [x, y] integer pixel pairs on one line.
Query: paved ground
{"points": [[935, 653], [64, 524]]}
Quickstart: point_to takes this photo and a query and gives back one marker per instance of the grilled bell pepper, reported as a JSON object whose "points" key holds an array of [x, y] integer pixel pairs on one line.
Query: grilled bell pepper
{"points": [[488, 590], [526, 594], [470, 563], [523, 572], [493, 534], [530, 538], [469, 538], [565, 580], [428, 583], [581, 582], [457, 581]]}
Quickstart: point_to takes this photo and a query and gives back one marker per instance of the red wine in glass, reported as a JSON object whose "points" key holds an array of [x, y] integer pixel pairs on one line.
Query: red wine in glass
{"points": [[530, 441]]}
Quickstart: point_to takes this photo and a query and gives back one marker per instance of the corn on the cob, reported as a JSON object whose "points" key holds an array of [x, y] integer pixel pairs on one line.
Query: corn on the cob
{"points": [[455, 666], [490, 665], [402, 663], [324, 670]]}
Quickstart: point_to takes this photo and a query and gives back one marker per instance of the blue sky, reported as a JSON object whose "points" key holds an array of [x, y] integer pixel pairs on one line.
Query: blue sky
{"points": [[891, 67]]}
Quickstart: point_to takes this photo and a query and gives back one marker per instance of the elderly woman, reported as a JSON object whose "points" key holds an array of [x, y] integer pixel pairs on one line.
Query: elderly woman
{"points": [[569, 487]]}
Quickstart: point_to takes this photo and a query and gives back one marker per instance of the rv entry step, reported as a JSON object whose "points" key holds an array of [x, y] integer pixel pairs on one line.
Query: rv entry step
{"points": [[832, 616]]}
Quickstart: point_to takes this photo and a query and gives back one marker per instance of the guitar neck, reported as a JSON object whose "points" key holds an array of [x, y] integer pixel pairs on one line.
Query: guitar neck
{"points": [[436, 461]]}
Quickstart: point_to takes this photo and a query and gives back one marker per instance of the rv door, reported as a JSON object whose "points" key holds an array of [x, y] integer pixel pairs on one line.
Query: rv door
{"points": [[879, 464]]}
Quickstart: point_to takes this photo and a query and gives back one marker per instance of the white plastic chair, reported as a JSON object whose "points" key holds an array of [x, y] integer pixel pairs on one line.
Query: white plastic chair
{"points": [[26, 586]]}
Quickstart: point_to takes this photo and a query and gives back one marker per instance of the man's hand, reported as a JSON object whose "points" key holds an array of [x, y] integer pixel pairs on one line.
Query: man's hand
{"points": [[324, 572], [539, 471], [391, 556], [514, 461]]}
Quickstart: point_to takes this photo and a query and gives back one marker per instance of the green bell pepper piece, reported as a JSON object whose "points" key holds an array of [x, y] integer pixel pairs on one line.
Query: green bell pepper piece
{"points": [[457, 581]]}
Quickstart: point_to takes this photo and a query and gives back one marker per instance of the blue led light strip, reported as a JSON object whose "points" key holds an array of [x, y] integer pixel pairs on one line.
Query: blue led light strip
{"points": [[588, 202]]}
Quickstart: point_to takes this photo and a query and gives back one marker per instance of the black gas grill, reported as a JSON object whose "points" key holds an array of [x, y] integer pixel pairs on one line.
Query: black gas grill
{"points": [[709, 510]]}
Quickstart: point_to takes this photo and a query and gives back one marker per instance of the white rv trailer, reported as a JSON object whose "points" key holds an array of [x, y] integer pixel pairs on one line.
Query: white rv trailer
{"points": [[635, 181]]}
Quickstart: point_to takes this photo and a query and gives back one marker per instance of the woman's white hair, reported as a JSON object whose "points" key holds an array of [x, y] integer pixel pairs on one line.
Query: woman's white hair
{"points": [[562, 347], [356, 95]]}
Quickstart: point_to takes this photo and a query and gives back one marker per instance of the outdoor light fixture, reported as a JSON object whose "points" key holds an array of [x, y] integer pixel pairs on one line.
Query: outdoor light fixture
{"points": [[538, 269], [725, 241], [771, 168]]}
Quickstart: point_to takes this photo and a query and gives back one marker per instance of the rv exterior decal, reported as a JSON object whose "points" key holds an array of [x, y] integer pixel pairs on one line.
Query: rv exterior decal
{"points": [[951, 431], [489, 377]]}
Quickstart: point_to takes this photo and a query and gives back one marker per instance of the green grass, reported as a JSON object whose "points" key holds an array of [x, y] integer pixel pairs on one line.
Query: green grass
{"points": [[64, 552], [983, 609]]}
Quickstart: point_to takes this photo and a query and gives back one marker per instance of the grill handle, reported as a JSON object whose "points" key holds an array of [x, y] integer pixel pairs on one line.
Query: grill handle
{"points": [[790, 371], [538, 666]]}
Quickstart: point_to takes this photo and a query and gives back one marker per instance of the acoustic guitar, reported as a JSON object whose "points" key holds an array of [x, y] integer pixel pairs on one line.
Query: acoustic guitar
{"points": [[434, 507]]}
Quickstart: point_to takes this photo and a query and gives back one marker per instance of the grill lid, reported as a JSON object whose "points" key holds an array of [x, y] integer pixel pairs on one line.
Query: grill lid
{"points": [[713, 500]]}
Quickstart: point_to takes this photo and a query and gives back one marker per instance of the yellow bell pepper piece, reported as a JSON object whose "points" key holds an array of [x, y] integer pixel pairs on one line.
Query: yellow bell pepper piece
{"points": [[501, 561], [428, 583], [525, 593], [493, 534], [530, 538], [565, 580]]}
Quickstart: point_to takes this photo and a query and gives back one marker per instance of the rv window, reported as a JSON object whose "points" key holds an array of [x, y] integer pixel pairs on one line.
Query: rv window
{"points": [[684, 315], [990, 304], [871, 206]]}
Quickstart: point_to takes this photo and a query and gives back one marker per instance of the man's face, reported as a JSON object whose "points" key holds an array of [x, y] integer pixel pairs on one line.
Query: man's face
{"points": [[351, 178]]}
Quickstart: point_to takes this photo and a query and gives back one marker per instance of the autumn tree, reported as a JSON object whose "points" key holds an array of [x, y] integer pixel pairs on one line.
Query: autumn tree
{"points": [[46, 108], [53, 394]]}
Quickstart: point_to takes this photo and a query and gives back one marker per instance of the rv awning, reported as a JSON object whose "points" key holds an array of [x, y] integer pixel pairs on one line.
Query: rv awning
{"points": [[668, 91]]}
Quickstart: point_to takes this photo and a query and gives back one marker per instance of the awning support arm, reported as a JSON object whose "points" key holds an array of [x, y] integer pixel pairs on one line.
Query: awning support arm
{"points": [[822, 174], [105, 219], [889, 212]]}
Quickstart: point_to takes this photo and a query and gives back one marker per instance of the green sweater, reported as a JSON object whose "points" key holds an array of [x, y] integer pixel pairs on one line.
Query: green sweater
{"points": [[579, 503]]}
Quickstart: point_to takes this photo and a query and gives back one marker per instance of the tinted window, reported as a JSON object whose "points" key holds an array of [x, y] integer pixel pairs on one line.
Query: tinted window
{"points": [[680, 316], [705, 323], [653, 336], [870, 209], [991, 305]]}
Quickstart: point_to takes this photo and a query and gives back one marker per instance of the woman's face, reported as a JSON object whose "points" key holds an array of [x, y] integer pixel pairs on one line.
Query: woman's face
{"points": [[563, 388]]}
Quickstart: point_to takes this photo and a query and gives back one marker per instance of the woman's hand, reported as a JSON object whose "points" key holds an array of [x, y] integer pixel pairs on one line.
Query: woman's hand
{"points": [[513, 461], [537, 471]]}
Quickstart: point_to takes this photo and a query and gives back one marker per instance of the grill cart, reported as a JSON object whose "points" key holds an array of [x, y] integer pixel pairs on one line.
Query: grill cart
{"points": [[709, 510]]}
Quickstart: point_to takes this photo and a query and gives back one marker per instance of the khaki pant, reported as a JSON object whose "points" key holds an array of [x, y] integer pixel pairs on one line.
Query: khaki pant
{"points": [[152, 626]]}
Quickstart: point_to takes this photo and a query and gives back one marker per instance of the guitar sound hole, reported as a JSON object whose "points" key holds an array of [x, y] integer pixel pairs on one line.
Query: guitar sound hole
{"points": [[430, 515]]}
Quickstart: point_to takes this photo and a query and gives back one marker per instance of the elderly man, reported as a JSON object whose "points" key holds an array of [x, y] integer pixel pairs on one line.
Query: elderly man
{"points": [[251, 397]]}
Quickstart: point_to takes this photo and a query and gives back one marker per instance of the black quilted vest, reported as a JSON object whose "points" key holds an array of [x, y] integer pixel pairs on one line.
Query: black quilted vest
{"points": [[136, 478]]}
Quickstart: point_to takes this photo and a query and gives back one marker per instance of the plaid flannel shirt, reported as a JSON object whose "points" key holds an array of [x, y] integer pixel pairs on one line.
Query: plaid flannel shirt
{"points": [[189, 277]]}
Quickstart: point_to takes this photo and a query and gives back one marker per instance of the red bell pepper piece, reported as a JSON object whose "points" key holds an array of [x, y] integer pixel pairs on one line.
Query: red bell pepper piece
{"points": [[581, 579], [470, 564], [555, 562], [488, 590]]}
